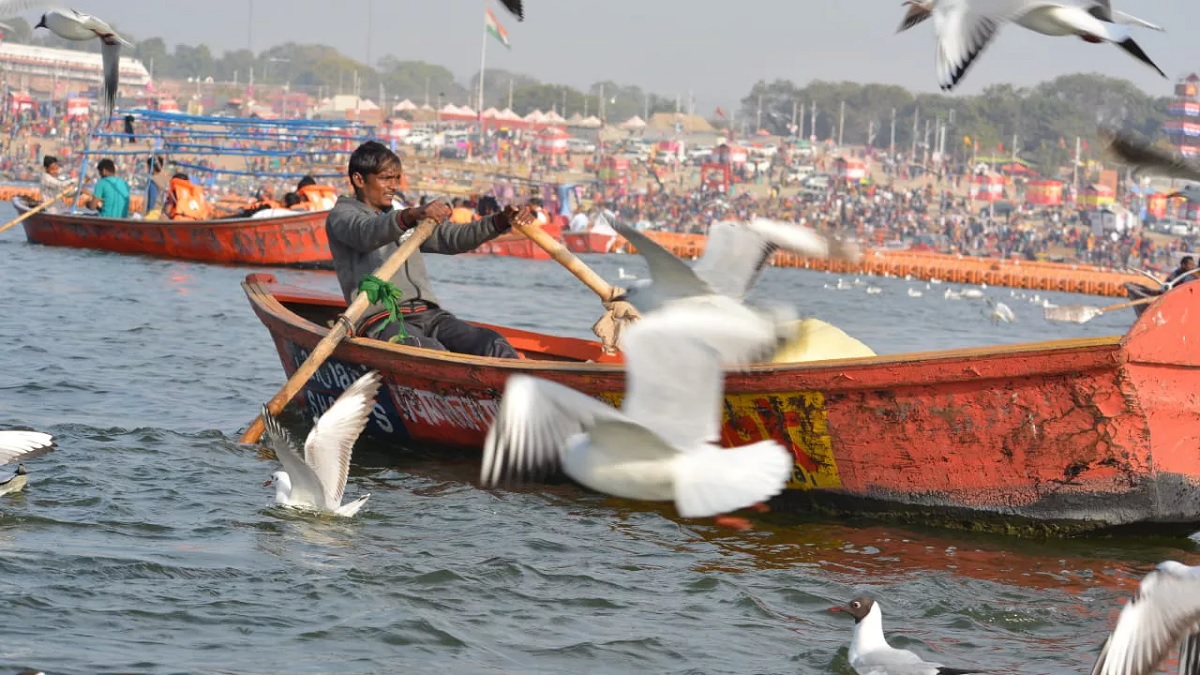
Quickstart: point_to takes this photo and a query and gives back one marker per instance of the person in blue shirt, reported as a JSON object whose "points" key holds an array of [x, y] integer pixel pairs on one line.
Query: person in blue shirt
{"points": [[110, 195]]}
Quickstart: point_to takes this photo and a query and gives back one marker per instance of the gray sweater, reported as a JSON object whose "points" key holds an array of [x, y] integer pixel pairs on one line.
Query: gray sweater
{"points": [[361, 239]]}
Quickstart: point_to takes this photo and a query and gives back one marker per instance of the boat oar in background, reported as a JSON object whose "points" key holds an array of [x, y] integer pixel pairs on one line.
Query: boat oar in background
{"points": [[37, 209], [1085, 313], [338, 332]]}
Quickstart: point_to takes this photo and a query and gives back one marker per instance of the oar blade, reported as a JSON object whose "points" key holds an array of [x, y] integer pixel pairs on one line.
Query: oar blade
{"points": [[1073, 313]]}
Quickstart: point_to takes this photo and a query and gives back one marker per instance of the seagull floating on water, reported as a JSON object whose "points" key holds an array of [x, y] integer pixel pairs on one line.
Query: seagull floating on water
{"points": [[870, 653], [15, 445], [1000, 312], [1164, 613], [318, 480], [663, 444], [965, 27], [77, 26]]}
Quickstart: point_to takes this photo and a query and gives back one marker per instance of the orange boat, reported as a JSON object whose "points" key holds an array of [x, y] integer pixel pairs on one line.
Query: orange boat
{"points": [[513, 245], [1054, 437], [287, 240], [589, 242]]}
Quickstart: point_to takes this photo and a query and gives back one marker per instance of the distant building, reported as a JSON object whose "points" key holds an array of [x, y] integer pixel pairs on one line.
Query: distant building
{"points": [[41, 68], [1183, 124]]}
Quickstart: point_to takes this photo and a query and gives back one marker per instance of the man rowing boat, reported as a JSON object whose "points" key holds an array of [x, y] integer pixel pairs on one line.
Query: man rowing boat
{"points": [[365, 230]]}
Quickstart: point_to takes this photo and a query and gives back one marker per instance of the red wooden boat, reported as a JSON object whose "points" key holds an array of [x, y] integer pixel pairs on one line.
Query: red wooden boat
{"points": [[513, 245], [1058, 437], [589, 242], [288, 240], [516, 245]]}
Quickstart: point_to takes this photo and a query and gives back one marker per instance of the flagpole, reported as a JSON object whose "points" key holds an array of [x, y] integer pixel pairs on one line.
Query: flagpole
{"points": [[482, 58]]}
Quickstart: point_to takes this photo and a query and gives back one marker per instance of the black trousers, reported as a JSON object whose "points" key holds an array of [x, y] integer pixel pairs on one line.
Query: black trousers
{"points": [[435, 328]]}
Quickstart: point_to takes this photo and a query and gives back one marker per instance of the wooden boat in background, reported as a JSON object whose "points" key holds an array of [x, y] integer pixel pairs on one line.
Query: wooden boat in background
{"points": [[589, 242], [1053, 437], [516, 245], [287, 240]]}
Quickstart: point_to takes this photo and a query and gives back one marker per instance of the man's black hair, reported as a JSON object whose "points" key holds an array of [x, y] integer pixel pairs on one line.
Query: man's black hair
{"points": [[370, 158], [154, 163], [48, 160], [290, 199], [308, 180], [106, 164], [181, 176], [1186, 259]]}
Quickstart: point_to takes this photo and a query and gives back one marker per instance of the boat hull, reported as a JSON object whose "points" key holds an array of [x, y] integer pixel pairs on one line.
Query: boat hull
{"points": [[587, 242], [1056, 437], [289, 240]]}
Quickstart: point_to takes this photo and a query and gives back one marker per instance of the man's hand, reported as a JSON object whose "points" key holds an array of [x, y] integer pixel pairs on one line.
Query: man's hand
{"points": [[439, 212], [519, 217]]}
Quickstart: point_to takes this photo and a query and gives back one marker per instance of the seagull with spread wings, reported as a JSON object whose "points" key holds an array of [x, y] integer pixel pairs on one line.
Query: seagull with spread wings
{"points": [[965, 27], [317, 481], [77, 26]]}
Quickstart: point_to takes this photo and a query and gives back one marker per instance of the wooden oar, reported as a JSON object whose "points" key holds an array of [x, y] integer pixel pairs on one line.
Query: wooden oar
{"points": [[1085, 313], [339, 330], [37, 209], [574, 265]]}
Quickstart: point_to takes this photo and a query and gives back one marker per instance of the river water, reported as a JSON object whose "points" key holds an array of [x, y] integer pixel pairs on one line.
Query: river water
{"points": [[146, 543]]}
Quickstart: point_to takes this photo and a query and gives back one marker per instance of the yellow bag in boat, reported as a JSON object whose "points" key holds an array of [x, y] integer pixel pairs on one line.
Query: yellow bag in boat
{"points": [[819, 341]]}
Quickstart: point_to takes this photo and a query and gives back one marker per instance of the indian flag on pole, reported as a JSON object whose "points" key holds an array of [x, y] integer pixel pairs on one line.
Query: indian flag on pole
{"points": [[493, 26]]}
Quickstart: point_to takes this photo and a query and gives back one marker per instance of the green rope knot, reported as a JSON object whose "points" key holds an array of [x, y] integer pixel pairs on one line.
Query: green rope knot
{"points": [[385, 293]]}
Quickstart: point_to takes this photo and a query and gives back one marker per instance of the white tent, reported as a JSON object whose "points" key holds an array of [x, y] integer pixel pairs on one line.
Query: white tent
{"points": [[634, 122], [591, 122], [404, 105]]}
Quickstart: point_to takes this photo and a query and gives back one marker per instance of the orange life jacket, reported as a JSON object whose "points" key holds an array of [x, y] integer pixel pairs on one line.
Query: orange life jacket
{"points": [[185, 201], [318, 197]]}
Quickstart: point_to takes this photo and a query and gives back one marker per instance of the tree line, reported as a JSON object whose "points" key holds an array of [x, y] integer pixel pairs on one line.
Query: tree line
{"points": [[1044, 120]]}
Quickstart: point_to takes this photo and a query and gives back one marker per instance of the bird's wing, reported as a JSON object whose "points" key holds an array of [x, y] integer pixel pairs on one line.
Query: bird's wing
{"points": [[516, 7], [1121, 17], [19, 444], [306, 487], [674, 383], [734, 255], [917, 14], [110, 54], [14, 7], [535, 419], [1165, 610], [965, 27], [1102, 9], [330, 443], [101, 28], [673, 278], [1146, 158]]}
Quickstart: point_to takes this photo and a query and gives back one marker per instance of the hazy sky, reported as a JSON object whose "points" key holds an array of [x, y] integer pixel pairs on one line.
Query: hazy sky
{"points": [[716, 49]]}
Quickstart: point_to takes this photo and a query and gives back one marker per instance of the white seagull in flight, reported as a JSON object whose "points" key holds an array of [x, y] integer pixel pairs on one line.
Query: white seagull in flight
{"points": [[72, 25], [965, 27]]}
